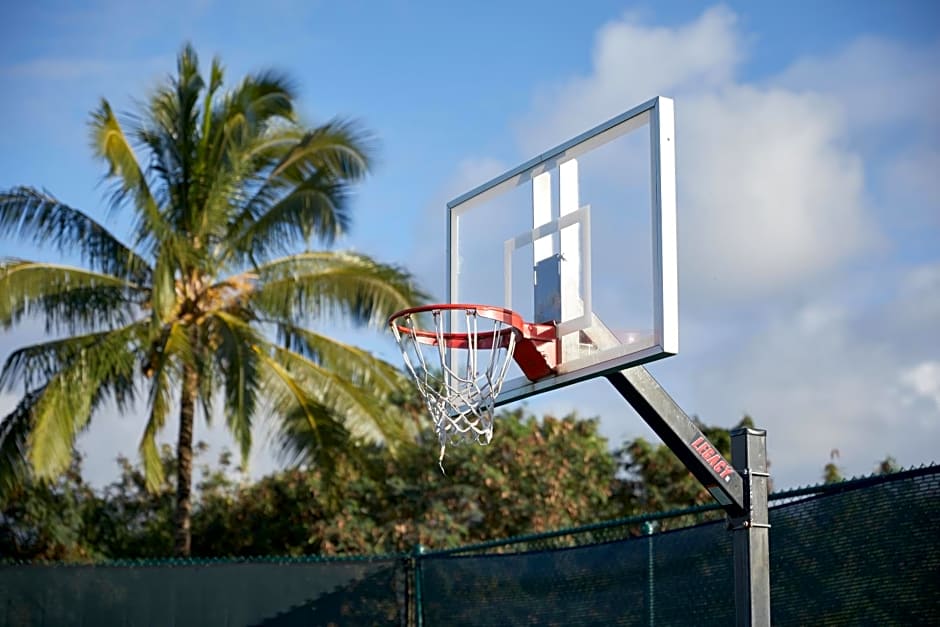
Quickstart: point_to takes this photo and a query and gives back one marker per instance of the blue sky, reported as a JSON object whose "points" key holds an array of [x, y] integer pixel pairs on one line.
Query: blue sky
{"points": [[809, 201]]}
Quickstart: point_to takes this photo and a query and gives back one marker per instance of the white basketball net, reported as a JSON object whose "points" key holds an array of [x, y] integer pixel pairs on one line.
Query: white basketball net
{"points": [[459, 385]]}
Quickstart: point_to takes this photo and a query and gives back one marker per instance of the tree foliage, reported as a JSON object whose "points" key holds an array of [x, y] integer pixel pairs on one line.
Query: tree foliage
{"points": [[46, 521], [538, 474]]}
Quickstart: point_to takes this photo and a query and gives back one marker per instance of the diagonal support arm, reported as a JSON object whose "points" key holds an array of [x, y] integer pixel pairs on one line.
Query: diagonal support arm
{"points": [[680, 434]]}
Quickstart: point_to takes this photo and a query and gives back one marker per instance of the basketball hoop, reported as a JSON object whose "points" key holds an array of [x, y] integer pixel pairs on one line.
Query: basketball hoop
{"points": [[460, 360]]}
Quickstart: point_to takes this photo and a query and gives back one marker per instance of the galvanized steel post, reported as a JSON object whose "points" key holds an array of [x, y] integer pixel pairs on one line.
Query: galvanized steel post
{"points": [[751, 530]]}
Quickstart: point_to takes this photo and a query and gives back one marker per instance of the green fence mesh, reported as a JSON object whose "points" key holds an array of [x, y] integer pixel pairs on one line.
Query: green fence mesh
{"points": [[866, 556], [676, 578], [269, 594], [864, 552]]}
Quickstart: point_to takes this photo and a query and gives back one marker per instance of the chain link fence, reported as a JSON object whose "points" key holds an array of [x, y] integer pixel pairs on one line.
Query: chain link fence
{"points": [[865, 551]]}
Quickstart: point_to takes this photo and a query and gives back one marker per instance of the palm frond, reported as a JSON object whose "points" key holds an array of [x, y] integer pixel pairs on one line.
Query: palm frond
{"points": [[171, 132], [238, 122], [33, 366], [165, 366], [317, 208], [70, 397], [255, 103], [14, 433], [28, 214], [216, 78], [340, 148], [323, 447], [333, 284], [227, 180], [110, 144], [242, 125], [350, 362], [207, 374], [304, 192], [163, 298], [363, 411], [68, 298], [308, 429], [238, 364], [216, 177]]}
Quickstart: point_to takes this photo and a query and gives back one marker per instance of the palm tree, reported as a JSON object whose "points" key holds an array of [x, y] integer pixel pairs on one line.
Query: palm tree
{"points": [[209, 296]]}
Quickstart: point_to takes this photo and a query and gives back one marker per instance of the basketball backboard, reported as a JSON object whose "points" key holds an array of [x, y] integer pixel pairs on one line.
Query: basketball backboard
{"points": [[582, 236]]}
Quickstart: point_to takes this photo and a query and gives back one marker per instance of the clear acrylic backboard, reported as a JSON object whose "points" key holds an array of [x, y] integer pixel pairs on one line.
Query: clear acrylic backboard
{"points": [[582, 236]]}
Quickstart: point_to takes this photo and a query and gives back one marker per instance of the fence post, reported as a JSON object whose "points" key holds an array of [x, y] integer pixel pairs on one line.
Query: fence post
{"points": [[750, 530], [648, 528], [416, 556]]}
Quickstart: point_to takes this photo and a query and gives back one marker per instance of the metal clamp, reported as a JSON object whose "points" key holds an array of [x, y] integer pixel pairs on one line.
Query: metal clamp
{"points": [[754, 473], [747, 524]]}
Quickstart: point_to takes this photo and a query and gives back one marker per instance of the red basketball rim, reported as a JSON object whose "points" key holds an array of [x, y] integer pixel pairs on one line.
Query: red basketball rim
{"points": [[485, 340]]}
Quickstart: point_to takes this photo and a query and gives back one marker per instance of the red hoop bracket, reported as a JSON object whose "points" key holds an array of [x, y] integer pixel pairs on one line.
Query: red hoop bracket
{"points": [[536, 349]]}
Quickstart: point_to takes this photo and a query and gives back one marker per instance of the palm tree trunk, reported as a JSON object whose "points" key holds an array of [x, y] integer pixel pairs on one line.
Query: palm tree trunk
{"points": [[184, 459]]}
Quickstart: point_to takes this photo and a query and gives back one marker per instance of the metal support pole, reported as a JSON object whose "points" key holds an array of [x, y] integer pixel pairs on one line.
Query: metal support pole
{"points": [[751, 530], [740, 487]]}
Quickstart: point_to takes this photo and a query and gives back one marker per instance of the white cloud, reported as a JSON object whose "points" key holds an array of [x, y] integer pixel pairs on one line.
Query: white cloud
{"points": [[888, 93], [632, 63], [915, 172], [768, 198], [924, 380], [59, 69], [769, 195], [53, 69], [911, 181], [827, 375], [881, 85], [915, 311]]}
